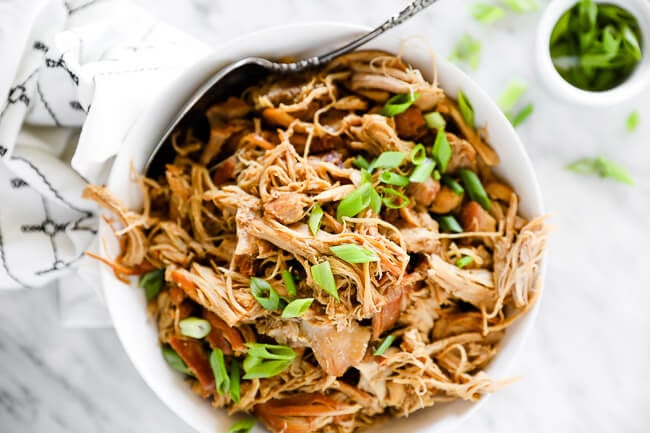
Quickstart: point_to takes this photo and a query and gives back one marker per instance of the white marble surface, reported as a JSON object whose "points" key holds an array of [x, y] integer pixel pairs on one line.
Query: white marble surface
{"points": [[586, 366]]}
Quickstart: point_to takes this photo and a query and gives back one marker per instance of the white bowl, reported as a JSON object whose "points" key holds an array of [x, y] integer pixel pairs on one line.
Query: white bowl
{"points": [[633, 86], [127, 304]]}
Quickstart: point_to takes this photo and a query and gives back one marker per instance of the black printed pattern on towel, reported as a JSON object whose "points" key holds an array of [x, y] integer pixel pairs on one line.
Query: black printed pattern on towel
{"points": [[17, 182], [3, 259], [72, 10], [76, 105], [18, 93], [60, 63], [51, 228], [47, 105]]}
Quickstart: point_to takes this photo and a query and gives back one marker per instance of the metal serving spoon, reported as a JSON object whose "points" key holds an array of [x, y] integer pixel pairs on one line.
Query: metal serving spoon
{"points": [[233, 79]]}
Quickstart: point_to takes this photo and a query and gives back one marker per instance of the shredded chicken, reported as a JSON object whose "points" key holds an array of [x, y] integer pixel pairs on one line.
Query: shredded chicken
{"points": [[233, 228]]}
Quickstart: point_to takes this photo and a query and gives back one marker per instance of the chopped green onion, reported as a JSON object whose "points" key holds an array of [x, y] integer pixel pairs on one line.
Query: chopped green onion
{"points": [[296, 308], [195, 327], [436, 175], [522, 6], [388, 160], [394, 199], [464, 261], [633, 121], [466, 109], [152, 282], [235, 379], [602, 167], [442, 150], [243, 426], [175, 361], [474, 188], [422, 172], [323, 277], [267, 360], [221, 378], [355, 202], [520, 117], [418, 154], [449, 224], [361, 162], [270, 351], [264, 293], [509, 98], [399, 104], [353, 253], [453, 184], [289, 282], [375, 201], [315, 219], [384, 345], [390, 178], [434, 120], [487, 13], [467, 50]]}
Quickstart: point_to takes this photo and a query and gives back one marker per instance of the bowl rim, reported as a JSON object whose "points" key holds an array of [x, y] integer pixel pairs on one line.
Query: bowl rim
{"points": [[453, 418], [554, 81]]}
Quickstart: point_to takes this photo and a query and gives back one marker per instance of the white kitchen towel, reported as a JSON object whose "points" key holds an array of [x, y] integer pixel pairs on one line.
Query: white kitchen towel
{"points": [[74, 76]]}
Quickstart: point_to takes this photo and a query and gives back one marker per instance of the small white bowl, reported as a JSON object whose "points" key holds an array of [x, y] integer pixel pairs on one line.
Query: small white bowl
{"points": [[554, 81], [127, 304]]}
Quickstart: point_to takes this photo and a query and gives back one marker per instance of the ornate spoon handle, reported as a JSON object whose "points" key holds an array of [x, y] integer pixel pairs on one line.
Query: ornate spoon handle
{"points": [[312, 62]]}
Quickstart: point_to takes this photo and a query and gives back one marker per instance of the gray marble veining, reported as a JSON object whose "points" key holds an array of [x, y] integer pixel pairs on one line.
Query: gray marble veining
{"points": [[586, 365]]}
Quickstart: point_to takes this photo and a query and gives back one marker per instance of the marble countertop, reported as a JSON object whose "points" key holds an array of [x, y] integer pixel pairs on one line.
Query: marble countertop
{"points": [[586, 365]]}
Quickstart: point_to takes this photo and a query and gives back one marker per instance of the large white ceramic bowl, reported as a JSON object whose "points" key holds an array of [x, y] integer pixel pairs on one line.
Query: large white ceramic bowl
{"points": [[127, 304]]}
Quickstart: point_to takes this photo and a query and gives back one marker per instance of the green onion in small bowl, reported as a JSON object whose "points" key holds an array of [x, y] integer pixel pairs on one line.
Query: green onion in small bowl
{"points": [[595, 52]]}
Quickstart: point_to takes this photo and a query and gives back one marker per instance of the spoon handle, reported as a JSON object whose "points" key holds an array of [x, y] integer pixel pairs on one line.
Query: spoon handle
{"points": [[312, 62]]}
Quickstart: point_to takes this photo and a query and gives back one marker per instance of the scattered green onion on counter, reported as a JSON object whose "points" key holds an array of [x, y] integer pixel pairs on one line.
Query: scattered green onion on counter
{"points": [[603, 167], [467, 50], [487, 13], [633, 121], [522, 6]]}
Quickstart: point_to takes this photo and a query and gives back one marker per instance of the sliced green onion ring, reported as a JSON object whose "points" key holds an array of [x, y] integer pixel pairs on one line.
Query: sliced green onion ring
{"points": [[361, 162], [390, 178], [442, 150], [464, 261], [383, 347], [522, 115], [355, 202], [474, 188], [418, 155], [394, 199], [152, 282], [487, 13], [466, 109], [449, 224], [324, 278], [289, 282], [434, 120], [221, 377], [453, 184], [264, 293], [235, 379], [195, 327], [296, 308], [243, 426], [315, 219], [375, 201], [175, 361], [353, 253], [399, 104], [422, 172], [389, 159]]}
